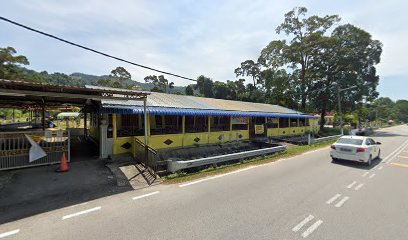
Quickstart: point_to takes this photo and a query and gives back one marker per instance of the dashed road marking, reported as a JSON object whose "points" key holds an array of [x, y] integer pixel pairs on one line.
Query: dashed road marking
{"points": [[359, 186], [372, 175], [302, 223], [381, 167], [403, 156], [342, 201], [334, 198], [365, 174], [145, 195], [315, 225], [351, 184], [81, 212], [9, 233]]}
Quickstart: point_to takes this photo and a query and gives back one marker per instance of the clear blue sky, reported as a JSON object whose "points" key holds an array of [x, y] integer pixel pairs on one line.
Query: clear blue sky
{"points": [[189, 37]]}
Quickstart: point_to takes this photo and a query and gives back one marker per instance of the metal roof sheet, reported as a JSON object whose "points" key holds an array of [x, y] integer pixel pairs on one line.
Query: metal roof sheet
{"points": [[192, 102]]}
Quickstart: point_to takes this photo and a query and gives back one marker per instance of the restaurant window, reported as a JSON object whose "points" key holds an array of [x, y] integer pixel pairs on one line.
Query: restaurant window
{"points": [[130, 125], [272, 122], [196, 124], [302, 122], [239, 123], [169, 124], [294, 122], [220, 124], [283, 122]]}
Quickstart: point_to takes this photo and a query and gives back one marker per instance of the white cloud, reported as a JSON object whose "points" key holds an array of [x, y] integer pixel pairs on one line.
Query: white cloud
{"points": [[184, 37]]}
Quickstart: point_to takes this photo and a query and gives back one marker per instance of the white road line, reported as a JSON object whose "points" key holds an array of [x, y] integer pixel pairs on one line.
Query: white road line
{"points": [[365, 174], [333, 198], [342, 201], [396, 152], [359, 186], [302, 223], [351, 184], [145, 195], [372, 175], [218, 176], [81, 212], [379, 168], [374, 168], [312, 228], [9, 233]]}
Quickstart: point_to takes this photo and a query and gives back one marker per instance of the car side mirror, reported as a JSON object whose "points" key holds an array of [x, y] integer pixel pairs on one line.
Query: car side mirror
{"points": [[378, 143]]}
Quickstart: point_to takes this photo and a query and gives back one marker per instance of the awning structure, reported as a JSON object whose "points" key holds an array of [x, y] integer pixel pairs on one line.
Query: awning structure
{"points": [[68, 114], [194, 112]]}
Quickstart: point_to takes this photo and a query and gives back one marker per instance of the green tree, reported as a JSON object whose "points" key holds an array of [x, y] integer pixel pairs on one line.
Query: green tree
{"points": [[120, 74], [221, 90], [10, 64], [160, 83], [204, 86], [249, 68], [345, 59], [298, 52], [402, 110], [189, 90]]}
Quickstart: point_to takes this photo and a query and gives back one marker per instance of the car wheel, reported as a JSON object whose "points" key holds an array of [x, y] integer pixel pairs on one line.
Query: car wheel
{"points": [[369, 161], [334, 160], [379, 154]]}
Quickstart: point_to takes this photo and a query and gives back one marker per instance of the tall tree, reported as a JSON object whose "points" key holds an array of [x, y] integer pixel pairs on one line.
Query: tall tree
{"points": [[160, 83], [189, 90], [303, 32], [120, 74], [345, 59], [249, 68], [204, 86], [10, 64]]}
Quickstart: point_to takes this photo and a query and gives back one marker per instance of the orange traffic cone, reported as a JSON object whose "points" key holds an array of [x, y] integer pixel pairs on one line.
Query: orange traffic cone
{"points": [[63, 165]]}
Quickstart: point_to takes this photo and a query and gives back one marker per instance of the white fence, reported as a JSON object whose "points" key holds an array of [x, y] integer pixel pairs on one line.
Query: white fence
{"points": [[15, 148]]}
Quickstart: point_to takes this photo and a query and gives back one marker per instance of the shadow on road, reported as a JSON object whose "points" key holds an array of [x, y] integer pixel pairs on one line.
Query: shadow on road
{"points": [[358, 165], [32, 191]]}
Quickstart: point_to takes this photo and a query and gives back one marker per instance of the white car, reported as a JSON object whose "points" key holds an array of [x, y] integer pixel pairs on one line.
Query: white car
{"points": [[355, 148]]}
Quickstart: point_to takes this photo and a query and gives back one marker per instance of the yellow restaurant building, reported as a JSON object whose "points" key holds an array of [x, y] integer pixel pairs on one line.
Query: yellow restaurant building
{"points": [[176, 121]]}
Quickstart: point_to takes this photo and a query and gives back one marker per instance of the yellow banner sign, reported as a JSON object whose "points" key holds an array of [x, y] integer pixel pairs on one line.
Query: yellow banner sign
{"points": [[259, 129]]}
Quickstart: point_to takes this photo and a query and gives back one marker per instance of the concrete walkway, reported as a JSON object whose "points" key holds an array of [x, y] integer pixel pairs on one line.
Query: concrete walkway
{"points": [[30, 191]]}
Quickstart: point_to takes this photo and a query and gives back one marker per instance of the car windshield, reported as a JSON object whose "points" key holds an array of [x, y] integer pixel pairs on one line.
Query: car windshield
{"points": [[350, 141]]}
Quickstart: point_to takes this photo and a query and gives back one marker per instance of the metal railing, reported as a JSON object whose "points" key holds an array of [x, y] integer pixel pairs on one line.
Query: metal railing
{"points": [[322, 139], [174, 165], [146, 155], [15, 148]]}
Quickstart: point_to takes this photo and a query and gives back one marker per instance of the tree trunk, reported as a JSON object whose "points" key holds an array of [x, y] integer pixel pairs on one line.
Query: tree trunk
{"points": [[303, 87], [322, 115]]}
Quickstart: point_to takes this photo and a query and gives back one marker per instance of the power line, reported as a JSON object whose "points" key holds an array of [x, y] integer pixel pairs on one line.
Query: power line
{"points": [[92, 50]]}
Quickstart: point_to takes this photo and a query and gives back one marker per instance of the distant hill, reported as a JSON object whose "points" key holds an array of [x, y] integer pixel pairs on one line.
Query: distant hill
{"points": [[88, 79]]}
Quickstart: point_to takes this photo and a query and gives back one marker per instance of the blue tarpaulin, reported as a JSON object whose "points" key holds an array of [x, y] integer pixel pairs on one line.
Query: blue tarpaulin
{"points": [[194, 112]]}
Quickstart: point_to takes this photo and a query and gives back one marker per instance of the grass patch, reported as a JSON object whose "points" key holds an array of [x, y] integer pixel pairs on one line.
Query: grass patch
{"points": [[182, 176]]}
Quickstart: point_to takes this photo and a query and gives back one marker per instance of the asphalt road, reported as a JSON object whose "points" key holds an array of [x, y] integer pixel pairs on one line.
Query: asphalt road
{"points": [[302, 197]]}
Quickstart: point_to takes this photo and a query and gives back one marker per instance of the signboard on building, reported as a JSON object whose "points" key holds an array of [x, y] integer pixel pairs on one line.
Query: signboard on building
{"points": [[239, 120], [259, 129]]}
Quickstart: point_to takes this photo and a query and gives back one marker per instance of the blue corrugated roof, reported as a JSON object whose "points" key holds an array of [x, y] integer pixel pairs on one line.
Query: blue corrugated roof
{"points": [[193, 112]]}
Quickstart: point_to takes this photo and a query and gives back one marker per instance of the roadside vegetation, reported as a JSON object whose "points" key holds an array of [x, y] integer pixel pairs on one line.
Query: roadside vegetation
{"points": [[183, 176], [303, 68]]}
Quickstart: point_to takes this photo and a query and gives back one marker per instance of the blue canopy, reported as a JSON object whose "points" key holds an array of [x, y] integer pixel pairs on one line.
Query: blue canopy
{"points": [[194, 112]]}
